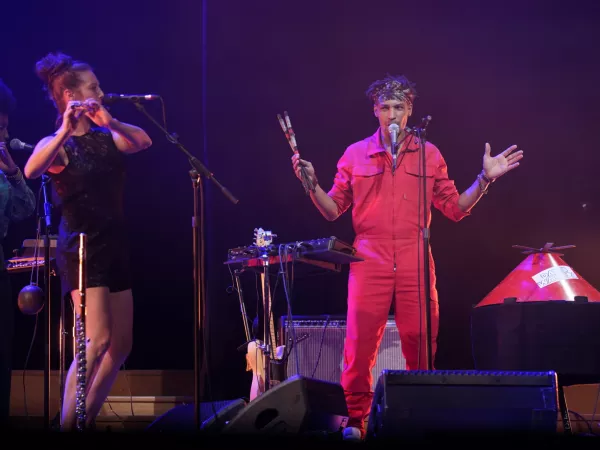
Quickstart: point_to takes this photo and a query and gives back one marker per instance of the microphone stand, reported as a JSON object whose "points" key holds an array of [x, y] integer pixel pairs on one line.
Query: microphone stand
{"points": [[198, 170], [422, 136], [47, 315]]}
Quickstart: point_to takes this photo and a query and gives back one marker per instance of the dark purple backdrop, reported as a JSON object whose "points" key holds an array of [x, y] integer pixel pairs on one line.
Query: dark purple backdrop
{"points": [[505, 74]]}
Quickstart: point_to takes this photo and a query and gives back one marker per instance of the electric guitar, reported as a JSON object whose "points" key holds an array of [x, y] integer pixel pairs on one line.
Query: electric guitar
{"points": [[255, 360]]}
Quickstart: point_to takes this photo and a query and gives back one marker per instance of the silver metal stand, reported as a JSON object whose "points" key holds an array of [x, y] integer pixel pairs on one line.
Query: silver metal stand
{"points": [[268, 346], [238, 289]]}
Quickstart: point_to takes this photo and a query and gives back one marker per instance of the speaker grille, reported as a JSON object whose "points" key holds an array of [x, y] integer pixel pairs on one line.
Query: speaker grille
{"points": [[455, 401], [321, 353]]}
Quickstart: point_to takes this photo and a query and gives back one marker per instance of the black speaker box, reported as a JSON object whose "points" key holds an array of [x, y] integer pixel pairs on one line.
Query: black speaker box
{"points": [[562, 336], [296, 406], [416, 403], [181, 418]]}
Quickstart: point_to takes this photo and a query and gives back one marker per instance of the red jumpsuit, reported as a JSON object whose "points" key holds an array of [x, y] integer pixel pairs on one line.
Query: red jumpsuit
{"points": [[388, 237]]}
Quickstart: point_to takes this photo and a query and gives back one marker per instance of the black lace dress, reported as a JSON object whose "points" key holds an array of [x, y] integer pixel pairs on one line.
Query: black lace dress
{"points": [[89, 194]]}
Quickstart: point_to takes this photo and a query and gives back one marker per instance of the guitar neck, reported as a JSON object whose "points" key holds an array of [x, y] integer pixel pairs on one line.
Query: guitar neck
{"points": [[273, 345]]}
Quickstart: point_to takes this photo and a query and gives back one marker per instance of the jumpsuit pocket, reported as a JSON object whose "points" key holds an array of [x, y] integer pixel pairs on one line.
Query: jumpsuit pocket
{"points": [[367, 182], [413, 172]]}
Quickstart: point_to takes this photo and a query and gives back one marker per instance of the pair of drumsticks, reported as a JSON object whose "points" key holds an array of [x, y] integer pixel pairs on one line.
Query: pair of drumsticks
{"points": [[286, 126]]}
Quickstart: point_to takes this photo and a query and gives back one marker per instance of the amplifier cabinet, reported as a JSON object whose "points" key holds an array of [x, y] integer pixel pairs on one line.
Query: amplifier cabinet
{"points": [[320, 347]]}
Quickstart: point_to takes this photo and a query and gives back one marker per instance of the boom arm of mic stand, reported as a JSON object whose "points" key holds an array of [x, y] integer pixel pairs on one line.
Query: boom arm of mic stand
{"points": [[195, 162]]}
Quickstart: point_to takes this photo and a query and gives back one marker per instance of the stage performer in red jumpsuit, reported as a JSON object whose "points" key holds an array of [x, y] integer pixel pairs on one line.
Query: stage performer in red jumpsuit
{"points": [[385, 216]]}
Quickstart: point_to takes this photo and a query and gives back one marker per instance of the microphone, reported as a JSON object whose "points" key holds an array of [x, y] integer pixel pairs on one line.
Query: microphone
{"points": [[114, 98], [394, 129], [424, 122], [17, 144]]}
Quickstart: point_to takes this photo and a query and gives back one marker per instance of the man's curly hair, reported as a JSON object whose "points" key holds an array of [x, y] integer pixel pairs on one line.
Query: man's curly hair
{"points": [[392, 88], [8, 103]]}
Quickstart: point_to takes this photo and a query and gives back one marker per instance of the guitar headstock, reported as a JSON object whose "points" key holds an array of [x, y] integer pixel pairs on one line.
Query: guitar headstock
{"points": [[263, 238]]}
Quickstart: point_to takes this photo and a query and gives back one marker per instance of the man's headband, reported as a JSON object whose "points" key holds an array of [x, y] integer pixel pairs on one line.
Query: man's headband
{"points": [[391, 89]]}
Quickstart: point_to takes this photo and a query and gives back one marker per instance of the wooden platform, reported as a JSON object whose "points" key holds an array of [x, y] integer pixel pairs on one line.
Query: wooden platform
{"points": [[137, 398]]}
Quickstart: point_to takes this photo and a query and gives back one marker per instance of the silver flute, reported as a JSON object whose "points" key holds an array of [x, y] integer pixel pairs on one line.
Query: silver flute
{"points": [[80, 393]]}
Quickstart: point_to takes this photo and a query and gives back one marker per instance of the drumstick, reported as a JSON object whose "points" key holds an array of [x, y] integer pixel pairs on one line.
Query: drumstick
{"points": [[290, 136], [287, 134]]}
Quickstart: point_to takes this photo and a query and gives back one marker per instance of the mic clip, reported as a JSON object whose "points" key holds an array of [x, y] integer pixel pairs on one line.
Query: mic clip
{"points": [[421, 128]]}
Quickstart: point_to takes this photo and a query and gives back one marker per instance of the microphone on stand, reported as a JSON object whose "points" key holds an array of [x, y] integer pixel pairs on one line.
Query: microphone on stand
{"points": [[17, 144], [114, 98], [394, 129], [421, 128], [47, 204]]}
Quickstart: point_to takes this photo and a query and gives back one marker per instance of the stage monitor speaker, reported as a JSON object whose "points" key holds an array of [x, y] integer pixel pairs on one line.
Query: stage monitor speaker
{"points": [[320, 347], [181, 417], [411, 403], [296, 406]]}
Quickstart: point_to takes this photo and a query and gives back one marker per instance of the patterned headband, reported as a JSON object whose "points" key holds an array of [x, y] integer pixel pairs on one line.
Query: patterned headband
{"points": [[391, 89]]}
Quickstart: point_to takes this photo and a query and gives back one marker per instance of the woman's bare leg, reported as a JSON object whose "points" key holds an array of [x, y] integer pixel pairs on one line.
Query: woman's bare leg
{"points": [[121, 310], [98, 333]]}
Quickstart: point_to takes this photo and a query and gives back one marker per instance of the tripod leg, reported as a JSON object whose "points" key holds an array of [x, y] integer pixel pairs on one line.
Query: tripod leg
{"points": [[238, 288], [564, 411]]}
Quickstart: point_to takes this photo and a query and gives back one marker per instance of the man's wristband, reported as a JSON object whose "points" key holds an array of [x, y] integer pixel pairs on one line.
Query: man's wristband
{"points": [[484, 182], [486, 179]]}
